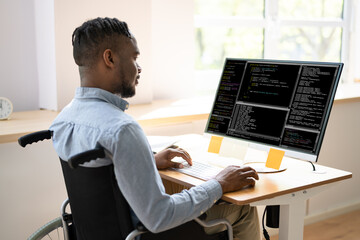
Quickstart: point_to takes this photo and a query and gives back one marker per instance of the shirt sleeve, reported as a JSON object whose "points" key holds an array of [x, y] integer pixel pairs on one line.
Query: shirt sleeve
{"points": [[141, 185]]}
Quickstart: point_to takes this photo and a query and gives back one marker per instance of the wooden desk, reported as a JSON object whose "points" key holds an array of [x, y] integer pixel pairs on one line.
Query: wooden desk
{"points": [[298, 177], [290, 189]]}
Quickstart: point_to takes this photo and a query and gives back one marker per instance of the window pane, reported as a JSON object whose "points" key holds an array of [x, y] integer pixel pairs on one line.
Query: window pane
{"points": [[214, 44], [241, 8], [310, 43], [311, 8]]}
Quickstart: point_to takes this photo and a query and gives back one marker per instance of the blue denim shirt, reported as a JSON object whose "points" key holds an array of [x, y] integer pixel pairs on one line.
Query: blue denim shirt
{"points": [[96, 117]]}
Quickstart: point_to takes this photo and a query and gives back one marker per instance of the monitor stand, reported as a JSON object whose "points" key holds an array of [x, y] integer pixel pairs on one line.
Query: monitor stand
{"points": [[316, 169], [239, 149]]}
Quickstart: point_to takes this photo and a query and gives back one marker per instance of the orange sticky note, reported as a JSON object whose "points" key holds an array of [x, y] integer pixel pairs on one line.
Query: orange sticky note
{"points": [[215, 144], [274, 158]]}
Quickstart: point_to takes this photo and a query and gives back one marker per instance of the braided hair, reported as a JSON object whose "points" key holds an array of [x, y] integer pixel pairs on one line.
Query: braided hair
{"points": [[94, 36]]}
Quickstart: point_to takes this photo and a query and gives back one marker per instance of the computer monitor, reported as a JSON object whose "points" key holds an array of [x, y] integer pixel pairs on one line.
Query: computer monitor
{"points": [[273, 103]]}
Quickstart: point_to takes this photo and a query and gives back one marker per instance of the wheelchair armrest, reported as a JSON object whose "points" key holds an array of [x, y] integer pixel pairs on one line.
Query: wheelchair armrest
{"points": [[141, 229], [135, 233], [34, 137], [140, 226], [217, 222], [86, 156]]}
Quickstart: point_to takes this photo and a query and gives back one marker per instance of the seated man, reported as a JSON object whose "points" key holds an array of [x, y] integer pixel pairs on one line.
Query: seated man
{"points": [[106, 53]]}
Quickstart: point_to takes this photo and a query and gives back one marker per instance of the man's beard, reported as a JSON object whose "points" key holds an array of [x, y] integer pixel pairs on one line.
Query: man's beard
{"points": [[127, 91]]}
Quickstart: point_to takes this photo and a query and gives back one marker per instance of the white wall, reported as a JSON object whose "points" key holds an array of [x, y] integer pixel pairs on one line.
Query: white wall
{"points": [[173, 48], [38, 70], [356, 38], [45, 53], [18, 67], [27, 47], [70, 14], [163, 29], [341, 150], [32, 188]]}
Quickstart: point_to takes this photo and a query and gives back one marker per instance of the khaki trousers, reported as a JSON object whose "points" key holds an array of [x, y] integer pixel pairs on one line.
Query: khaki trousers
{"points": [[244, 220]]}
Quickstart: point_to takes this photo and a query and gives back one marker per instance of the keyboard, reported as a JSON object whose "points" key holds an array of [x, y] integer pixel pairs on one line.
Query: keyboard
{"points": [[199, 170]]}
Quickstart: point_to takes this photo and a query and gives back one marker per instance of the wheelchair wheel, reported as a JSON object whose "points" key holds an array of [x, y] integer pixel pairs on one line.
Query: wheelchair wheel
{"points": [[51, 230]]}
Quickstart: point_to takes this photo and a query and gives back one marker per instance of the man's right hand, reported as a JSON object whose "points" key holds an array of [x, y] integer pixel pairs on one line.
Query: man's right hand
{"points": [[234, 178]]}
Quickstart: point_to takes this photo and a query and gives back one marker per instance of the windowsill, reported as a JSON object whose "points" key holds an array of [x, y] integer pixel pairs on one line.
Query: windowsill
{"points": [[348, 92], [21, 123], [158, 113], [171, 111]]}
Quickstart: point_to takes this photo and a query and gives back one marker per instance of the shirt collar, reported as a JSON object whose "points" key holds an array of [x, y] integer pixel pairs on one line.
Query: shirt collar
{"points": [[98, 93]]}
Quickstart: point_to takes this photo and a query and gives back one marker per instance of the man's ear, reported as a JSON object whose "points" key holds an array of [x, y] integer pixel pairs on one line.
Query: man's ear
{"points": [[108, 58]]}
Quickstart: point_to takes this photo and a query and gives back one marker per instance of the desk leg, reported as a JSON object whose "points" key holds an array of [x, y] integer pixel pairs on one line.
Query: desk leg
{"points": [[292, 211], [291, 225]]}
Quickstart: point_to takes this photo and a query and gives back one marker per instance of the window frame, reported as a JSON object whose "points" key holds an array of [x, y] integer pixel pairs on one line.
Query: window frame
{"points": [[272, 23]]}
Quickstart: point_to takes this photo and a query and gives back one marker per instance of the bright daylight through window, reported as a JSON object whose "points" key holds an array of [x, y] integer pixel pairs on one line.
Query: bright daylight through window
{"points": [[312, 30]]}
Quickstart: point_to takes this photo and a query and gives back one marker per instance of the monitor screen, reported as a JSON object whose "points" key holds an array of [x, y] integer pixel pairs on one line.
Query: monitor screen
{"points": [[281, 104]]}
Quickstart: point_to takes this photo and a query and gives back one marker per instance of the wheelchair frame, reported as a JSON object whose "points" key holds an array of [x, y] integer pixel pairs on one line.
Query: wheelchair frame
{"points": [[65, 220]]}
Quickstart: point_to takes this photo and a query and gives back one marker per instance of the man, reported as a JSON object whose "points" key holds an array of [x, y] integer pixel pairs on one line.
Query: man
{"points": [[106, 53]]}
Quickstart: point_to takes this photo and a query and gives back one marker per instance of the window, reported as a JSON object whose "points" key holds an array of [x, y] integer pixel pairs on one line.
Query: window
{"points": [[314, 30]]}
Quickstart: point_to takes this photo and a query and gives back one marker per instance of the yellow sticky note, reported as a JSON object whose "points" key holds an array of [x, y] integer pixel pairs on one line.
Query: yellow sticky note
{"points": [[274, 158], [215, 144]]}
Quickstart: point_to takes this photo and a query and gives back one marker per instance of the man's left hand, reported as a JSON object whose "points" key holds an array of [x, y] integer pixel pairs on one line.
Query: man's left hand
{"points": [[164, 157]]}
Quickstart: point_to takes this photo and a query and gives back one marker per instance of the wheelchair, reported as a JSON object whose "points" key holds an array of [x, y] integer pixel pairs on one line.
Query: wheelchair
{"points": [[98, 210]]}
